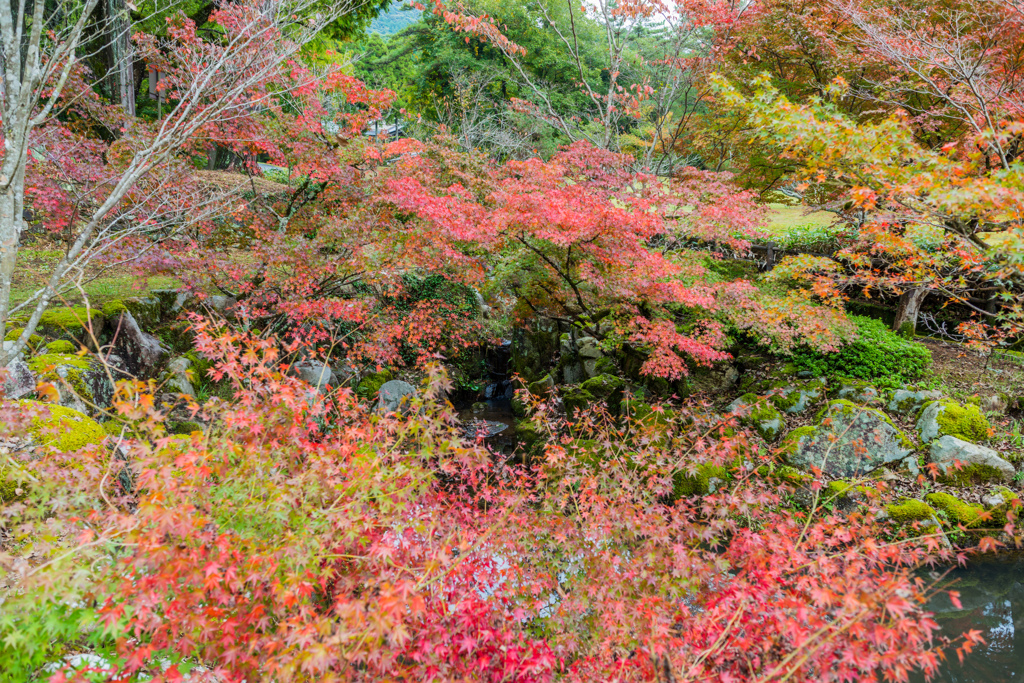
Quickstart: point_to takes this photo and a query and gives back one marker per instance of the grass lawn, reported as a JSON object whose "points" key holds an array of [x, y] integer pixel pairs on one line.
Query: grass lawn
{"points": [[784, 218], [35, 265]]}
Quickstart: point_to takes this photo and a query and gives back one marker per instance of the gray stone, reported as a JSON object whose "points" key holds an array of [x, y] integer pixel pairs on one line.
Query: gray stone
{"points": [[850, 442], [858, 392], [86, 390], [906, 401], [141, 352], [795, 399], [223, 305], [573, 373], [948, 449], [18, 380], [393, 395], [720, 378], [588, 348], [9, 345], [316, 374], [590, 368], [177, 379], [347, 373], [759, 414]]}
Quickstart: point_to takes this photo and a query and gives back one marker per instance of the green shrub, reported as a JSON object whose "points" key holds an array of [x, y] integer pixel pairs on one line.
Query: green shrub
{"points": [[877, 354]]}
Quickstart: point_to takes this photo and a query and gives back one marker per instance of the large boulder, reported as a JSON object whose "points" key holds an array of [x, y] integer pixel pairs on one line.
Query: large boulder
{"points": [[77, 324], [394, 396], [979, 464], [850, 441], [945, 417], [140, 351], [83, 383], [316, 374]]}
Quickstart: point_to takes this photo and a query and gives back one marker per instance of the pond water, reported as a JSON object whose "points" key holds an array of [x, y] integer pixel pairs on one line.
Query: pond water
{"points": [[992, 597]]}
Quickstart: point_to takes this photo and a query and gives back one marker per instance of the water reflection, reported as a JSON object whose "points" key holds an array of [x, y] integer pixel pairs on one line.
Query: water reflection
{"points": [[992, 597]]}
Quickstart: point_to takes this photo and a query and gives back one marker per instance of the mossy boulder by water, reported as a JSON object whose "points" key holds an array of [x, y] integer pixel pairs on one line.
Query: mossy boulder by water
{"points": [[850, 441], [956, 510], [910, 510], [948, 418]]}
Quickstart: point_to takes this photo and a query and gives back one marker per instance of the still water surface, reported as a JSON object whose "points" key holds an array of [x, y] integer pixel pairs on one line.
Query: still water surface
{"points": [[992, 596]]}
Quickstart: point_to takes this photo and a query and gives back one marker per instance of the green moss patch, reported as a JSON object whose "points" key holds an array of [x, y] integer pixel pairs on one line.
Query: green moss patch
{"points": [[958, 511], [965, 422], [63, 428], [61, 346], [909, 510], [34, 340]]}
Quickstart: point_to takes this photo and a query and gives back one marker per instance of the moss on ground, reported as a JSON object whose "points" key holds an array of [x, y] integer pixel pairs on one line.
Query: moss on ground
{"points": [[971, 474]]}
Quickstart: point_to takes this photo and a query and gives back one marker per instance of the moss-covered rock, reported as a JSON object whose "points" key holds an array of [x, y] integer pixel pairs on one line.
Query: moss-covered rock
{"points": [[61, 346], [62, 428], [606, 387], [909, 510], [82, 382], [956, 510], [184, 427], [850, 441], [542, 387], [371, 384], [77, 324], [794, 398], [908, 401], [784, 474], [858, 391], [147, 311], [1000, 502], [700, 482], [575, 399], [758, 413], [948, 418], [531, 438], [34, 340], [605, 366]]}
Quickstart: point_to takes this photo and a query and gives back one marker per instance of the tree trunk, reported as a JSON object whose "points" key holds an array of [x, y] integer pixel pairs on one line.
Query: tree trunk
{"points": [[11, 222], [908, 310], [122, 55]]}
